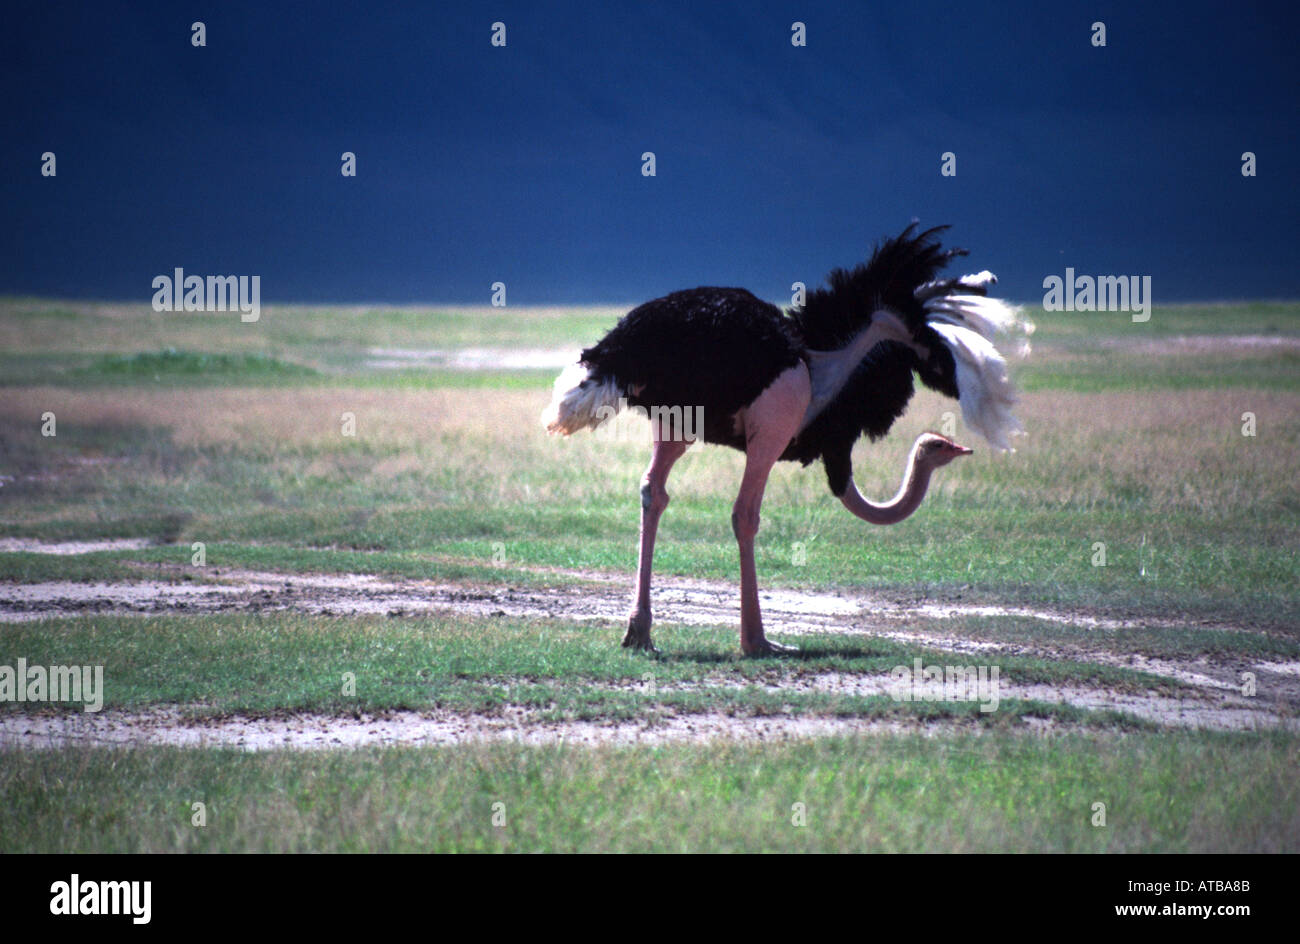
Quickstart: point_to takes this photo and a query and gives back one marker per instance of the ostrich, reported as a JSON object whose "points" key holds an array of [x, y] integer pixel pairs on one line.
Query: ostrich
{"points": [[800, 385]]}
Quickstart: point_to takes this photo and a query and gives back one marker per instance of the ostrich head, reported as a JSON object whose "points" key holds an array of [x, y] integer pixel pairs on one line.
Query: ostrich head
{"points": [[934, 450], [929, 452]]}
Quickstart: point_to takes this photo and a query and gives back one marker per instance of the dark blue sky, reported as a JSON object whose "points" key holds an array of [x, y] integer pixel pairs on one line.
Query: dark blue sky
{"points": [[522, 164]]}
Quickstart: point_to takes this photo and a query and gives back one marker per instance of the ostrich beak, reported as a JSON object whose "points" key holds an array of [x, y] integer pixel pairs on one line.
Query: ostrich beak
{"points": [[962, 450]]}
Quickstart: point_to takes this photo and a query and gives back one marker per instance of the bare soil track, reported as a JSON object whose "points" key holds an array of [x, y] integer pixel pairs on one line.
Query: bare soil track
{"points": [[1207, 691], [432, 728]]}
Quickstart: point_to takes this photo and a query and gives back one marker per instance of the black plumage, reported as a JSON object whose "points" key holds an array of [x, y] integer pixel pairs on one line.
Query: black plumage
{"points": [[716, 348], [719, 348]]}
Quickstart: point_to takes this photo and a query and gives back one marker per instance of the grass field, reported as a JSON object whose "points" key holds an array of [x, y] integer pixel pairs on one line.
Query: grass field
{"points": [[402, 629]]}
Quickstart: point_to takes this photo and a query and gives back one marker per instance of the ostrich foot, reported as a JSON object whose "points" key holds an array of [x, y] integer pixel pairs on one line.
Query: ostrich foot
{"points": [[765, 647], [638, 633]]}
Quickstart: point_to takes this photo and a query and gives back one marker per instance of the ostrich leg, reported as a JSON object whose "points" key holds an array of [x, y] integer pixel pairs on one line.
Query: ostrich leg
{"points": [[654, 499], [770, 422]]}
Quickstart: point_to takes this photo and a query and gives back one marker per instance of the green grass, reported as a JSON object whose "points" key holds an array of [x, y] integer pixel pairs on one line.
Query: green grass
{"points": [[1195, 567], [272, 663], [51, 341], [1150, 637], [1135, 373], [184, 427], [1163, 793], [1081, 329], [171, 365], [242, 449]]}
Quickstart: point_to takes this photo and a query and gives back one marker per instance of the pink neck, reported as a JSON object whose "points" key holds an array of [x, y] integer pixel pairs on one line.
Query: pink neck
{"points": [[908, 499]]}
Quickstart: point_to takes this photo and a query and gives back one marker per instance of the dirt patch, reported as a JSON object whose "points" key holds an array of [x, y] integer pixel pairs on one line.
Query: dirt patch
{"points": [[693, 603], [70, 548], [680, 600], [470, 358], [167, 727], [1217, 710], [1214, 696], [1191, 709], [676, 600], [1205, 344]]}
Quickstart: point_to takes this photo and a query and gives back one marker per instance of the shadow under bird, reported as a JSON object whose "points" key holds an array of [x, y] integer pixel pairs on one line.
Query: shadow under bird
{"points": [[798, 385]]}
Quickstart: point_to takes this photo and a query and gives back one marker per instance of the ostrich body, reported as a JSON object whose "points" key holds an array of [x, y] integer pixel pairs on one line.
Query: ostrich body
{"points": [[802, 385]]}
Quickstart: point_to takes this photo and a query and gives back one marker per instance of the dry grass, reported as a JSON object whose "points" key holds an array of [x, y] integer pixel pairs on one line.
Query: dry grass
{"points": [[1175, 450], [43, 326], [288, 417]]}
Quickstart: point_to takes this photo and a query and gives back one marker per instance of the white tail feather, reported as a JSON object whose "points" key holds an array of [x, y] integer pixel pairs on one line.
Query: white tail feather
{"points": [[980, 280], [579, 401], [968, 324], [983, 387], [987, 316]]}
